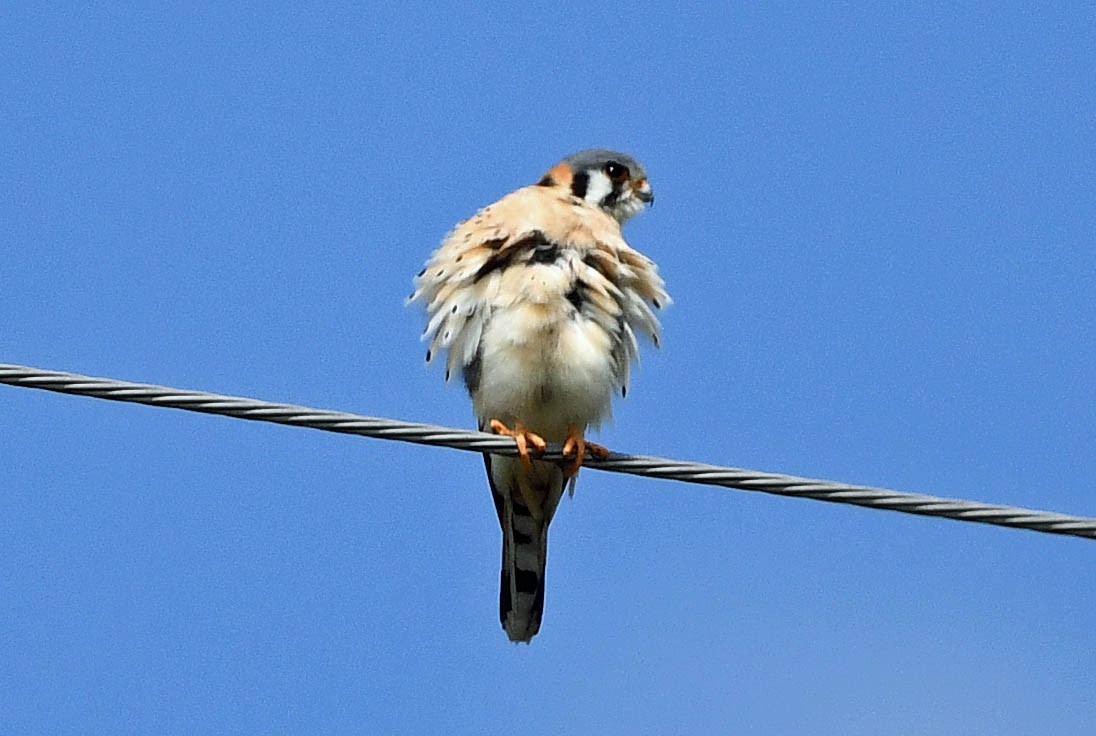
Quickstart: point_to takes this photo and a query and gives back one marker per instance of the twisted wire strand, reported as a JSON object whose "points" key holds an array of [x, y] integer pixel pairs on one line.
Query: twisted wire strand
{"points": [[654, 467]]}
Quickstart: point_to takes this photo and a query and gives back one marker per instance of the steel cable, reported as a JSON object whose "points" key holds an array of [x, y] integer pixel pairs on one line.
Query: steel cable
{"points": [[654, 467]]}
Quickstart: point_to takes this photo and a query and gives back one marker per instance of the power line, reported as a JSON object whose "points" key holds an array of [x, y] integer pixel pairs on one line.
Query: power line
{"points": [[655, 467]]}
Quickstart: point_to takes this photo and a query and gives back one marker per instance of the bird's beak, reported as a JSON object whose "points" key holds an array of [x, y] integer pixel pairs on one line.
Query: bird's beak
{"points": [[642, 190]]}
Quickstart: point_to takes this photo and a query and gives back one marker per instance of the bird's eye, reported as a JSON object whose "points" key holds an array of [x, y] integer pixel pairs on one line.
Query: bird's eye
{"points": [[616, 171]]}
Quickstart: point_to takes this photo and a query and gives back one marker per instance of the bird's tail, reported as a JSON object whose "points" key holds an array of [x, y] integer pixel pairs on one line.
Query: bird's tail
{"points": [[526, 498]]}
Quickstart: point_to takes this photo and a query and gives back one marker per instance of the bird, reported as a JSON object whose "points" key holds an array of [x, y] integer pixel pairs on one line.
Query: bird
{"points": [[537, 301]]}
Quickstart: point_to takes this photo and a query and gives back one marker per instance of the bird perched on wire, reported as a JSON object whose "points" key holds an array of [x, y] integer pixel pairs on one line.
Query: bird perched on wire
{"points": [[538, 299]]}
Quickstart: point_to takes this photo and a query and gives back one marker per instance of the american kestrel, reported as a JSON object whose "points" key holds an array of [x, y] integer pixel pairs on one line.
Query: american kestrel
{"points": [[538, 299]]}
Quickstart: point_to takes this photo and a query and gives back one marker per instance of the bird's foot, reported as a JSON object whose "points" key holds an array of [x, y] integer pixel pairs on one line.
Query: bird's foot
{"points": [[523, 437], [576, 445]]}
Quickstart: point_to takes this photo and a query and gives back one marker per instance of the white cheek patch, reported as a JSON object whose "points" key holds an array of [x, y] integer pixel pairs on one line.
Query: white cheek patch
{"points": [[598, 188], [628, 206]]}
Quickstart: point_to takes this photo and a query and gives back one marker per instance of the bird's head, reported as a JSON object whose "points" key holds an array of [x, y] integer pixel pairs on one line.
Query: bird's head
{"points": [[612, 181]]}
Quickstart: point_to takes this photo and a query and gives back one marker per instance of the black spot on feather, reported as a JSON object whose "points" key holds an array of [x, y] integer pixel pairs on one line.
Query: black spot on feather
{"points": [[545, 253], [533, 248], [527, 581], [595, 263], [497, 262], [471, 382], [505, 604], [577, 295]]}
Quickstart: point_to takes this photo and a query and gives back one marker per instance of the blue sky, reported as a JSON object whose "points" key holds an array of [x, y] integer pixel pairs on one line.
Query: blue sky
{"points": [[878, 229]]}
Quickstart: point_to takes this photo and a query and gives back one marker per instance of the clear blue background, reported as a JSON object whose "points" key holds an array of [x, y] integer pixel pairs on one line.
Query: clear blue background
{"points": [[878, 226]]}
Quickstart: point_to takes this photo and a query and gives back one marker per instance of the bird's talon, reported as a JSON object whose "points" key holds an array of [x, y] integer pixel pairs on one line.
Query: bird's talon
{"points": [[576, 445], [601, 452], [522, 437], [568, 446], [536, 441]]}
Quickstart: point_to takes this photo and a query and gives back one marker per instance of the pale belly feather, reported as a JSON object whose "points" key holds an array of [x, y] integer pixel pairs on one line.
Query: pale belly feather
{"points": [[546, 366]]}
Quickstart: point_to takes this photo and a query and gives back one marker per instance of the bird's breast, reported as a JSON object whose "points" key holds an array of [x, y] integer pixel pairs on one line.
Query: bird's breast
{"points": [[542, 362]]}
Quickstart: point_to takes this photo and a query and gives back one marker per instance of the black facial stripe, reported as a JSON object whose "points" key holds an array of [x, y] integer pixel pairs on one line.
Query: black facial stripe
{"points": [[580, 183], [546, 181], [614, 196]]}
